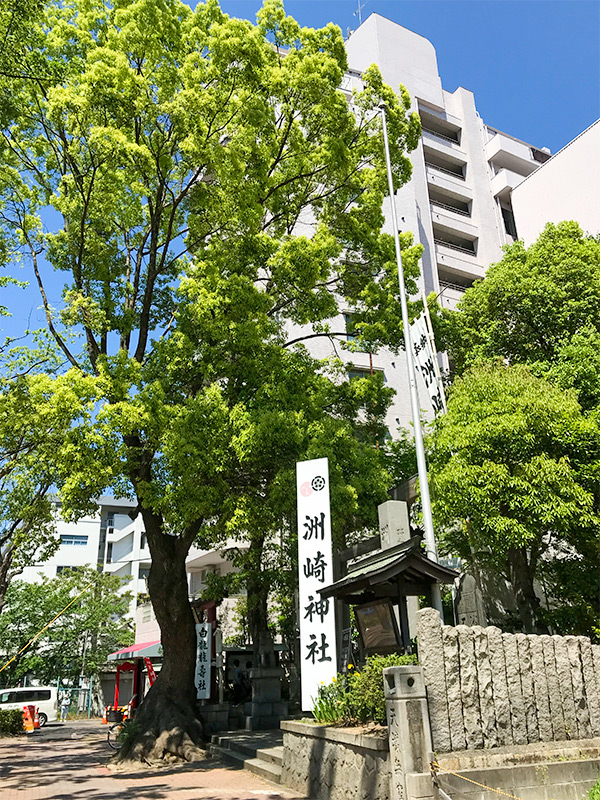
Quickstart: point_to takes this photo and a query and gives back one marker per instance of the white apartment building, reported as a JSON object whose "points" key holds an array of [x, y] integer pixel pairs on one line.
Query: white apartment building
{"points": [[566, 187], [458, 202], [109, 540]]}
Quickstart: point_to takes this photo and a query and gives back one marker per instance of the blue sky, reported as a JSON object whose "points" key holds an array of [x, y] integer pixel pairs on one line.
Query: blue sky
{"points": [[533, 65]]}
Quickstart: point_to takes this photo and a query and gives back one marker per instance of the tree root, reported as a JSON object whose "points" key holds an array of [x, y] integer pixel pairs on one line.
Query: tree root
{"points": [[162, 734]]}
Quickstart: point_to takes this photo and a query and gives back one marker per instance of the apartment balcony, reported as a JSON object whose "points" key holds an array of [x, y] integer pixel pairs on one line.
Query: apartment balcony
{"points": [[450, 294], [458, 262], [510, 154], [434, 140], [453, 220], [446, 180], [504, 182]]}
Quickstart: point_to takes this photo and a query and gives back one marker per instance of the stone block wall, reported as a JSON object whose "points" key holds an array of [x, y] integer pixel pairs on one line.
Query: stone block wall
{"points": [[490, 689], [327, 763]]}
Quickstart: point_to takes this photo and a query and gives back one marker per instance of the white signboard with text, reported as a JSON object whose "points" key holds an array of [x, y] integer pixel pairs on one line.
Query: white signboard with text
{"points": [[426, 363], [203, 653], [315, 564]]}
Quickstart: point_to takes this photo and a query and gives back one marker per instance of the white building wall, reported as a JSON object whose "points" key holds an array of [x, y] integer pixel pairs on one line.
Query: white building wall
{"points": [[566, 187]]}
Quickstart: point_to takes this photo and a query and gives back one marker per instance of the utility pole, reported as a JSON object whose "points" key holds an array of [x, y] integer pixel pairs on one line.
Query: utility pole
{"points": [[436, 597]]}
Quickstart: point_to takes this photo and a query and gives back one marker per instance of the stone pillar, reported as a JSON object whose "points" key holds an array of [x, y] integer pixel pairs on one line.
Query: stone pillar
{"points": [[515, 694], [469, 687], [486, 687], [267, 709], [582, 711], [526, 670], [500, 686], [452, 668], [431, 658], [563, 669], [408, 720], [540, 688], [589, 678], [394, 527], [554, 698]]}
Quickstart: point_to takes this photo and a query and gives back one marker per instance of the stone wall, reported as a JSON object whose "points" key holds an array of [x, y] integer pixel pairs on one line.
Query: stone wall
{"points": [[328, 763], [490, 689]]}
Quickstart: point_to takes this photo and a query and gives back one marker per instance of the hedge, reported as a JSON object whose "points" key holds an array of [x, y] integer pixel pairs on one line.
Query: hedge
{"points": [[11, 723]]}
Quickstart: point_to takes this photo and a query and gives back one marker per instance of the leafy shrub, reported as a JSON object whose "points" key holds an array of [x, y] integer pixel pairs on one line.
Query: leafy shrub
{"points": [[365, 690], [358, 697], [11, 723], [331, 705], [594, 793]]}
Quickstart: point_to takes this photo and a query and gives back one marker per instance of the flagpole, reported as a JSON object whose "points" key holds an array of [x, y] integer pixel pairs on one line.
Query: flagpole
{"points": [[430, 544]]}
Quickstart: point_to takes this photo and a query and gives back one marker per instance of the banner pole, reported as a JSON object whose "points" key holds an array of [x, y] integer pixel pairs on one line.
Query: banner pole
{"points": [[430, 543]]}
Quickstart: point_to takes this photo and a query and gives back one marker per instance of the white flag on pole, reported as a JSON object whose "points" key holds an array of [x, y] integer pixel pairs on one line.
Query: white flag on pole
{"points": [[425, 357]]}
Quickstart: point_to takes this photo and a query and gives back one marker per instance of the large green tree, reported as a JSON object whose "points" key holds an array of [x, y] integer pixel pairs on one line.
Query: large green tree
{"points": [[538, 307], [40, 419], [219, 200], [515, 468], [79, 641], [532, 305]]}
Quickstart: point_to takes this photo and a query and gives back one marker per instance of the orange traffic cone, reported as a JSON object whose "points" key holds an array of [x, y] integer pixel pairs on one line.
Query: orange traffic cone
{"points": [[28, 723], [36, 719], [104, 720]]}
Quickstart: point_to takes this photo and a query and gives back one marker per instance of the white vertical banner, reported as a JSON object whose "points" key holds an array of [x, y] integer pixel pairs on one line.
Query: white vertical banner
{"points": [[426, 363], [315, 565], [203, 652]]}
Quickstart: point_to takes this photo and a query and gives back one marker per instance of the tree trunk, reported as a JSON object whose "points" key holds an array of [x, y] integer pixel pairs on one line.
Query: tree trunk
{"points": [[258, 608], [166, 725], [5, 562], [528, 604]]}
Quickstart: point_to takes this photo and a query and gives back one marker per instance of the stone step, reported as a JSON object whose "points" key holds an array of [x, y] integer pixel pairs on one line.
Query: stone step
{"points": [[259, 766]]}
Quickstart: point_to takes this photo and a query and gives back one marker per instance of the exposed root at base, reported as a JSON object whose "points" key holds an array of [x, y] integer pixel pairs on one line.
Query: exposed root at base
{"points": [[172, 738]]}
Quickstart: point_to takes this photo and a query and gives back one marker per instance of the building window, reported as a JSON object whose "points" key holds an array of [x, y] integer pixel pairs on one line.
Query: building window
{"points": [[65, 569], [363, 372], [73, 538], [109, 552], [509, 222], [144, 573], [143, 541], [350, 322]]}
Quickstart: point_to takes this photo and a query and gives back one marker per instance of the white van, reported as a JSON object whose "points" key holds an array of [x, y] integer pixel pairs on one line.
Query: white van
{"points": [[44, 698]]}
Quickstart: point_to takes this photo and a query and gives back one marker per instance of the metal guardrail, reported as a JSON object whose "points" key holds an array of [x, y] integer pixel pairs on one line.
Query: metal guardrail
{"points": [[455, 247], [451, 208], [439, 135], [458, 175]]}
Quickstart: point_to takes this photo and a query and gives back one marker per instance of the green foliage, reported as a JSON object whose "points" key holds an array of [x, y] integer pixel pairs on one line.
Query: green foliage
{"points": [[514, 468], [210, 195], [40, 419], [594, 792], [79, 641], [516, 462], [359, 696], [365, 690], [531, 303], [11, 723]]}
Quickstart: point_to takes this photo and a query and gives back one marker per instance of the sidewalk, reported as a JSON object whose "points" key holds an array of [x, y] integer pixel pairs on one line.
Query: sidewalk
{"points": [[70, 764]]}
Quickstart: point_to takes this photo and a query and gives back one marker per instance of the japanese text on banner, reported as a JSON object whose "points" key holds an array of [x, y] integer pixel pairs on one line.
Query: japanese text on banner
{"points": [[315, 556], [203, 653]]}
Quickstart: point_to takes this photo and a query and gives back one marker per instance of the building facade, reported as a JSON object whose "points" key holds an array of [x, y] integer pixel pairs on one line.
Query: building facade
{"points": [[110, 540], [567, 187], [458, 202]]}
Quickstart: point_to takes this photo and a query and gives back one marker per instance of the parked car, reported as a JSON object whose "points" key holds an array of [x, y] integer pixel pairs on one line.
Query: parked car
{"points": [[44, 698]]}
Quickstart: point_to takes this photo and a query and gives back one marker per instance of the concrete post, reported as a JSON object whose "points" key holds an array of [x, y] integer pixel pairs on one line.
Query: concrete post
{"points": [[410, 736]]}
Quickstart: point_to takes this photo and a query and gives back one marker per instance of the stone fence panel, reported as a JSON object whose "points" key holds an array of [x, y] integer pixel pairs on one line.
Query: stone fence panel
{"points": [[489, 689]]}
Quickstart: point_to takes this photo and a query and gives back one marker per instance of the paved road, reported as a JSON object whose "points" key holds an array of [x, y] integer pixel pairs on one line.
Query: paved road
{"points": [[69, 762]]}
